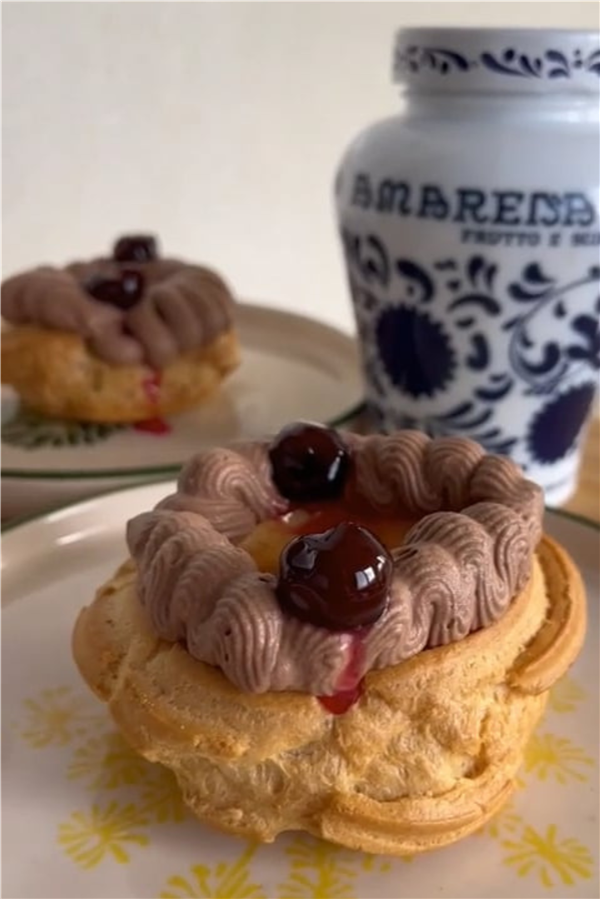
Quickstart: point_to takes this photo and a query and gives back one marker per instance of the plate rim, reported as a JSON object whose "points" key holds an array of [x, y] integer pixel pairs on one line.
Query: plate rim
{"points": [[158, 471], [24, 520]]}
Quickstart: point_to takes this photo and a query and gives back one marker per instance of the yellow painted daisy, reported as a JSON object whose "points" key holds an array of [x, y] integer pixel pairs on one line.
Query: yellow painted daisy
{"points": [[107, 762], [556, 758], [377, 864], [89, 837], [161, 797], [319, 870], [232, 880], [56, 717], [506, 821], [566, 695], [567, 860]]}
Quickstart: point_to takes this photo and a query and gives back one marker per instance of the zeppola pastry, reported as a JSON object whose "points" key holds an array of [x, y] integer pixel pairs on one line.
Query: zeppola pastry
{"points": [[352, 636], [123, 338]]}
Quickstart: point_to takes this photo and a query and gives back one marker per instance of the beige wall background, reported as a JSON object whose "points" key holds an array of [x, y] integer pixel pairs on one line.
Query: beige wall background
{"points": [[216, 125]]}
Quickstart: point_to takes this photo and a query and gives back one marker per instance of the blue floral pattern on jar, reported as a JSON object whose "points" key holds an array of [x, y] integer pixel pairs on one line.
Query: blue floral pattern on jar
{"points": [[425, 325]]}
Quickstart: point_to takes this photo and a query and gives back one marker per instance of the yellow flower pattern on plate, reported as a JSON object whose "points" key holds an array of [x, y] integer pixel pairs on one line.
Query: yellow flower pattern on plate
{"points": [[146, 795], [89, 837], [566, 695], [107, 762], [556, 758], [161, 798], [506, 821], [319, 870], [57, 717], [380, 864], [232, 880], [543, 854]]}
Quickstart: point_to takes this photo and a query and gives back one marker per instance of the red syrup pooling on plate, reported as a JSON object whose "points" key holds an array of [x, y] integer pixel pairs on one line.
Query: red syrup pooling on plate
{"points": [[350, 685], [154, 425]]}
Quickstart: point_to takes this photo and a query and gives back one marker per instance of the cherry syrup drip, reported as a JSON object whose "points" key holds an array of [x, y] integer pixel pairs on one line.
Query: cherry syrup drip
{"points": [[342, 701], [336, 573], [154, 425], [151, 386], [350, 684]]}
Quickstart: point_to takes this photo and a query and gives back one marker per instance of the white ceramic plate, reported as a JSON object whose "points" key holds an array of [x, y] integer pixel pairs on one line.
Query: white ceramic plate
{"points": [[293, 368], [85, 818]]}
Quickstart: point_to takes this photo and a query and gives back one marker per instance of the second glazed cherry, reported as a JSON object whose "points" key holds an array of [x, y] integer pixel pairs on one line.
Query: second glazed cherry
{"points": [[309, 462]]}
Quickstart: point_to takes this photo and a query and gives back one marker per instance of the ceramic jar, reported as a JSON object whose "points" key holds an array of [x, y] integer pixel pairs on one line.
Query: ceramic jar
{"points": [[471, 235]]}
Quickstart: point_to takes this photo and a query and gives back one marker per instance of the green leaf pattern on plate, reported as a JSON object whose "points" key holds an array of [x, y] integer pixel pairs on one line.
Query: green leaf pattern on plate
{"points": [[30, 430]]}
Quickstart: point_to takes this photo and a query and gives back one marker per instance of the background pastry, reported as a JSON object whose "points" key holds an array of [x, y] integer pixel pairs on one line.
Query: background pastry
{"points": [[392, 718], [117, 339]]}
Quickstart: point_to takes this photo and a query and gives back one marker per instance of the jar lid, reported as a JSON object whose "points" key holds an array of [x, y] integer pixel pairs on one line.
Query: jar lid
{"points": [[509, 60]]}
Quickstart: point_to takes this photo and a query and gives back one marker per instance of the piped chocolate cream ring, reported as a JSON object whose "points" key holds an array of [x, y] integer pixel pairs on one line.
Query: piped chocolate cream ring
{"points": [[456, 571]]}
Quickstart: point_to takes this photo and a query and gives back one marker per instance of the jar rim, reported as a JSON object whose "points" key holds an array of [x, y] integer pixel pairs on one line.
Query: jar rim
{"points": [[496, 29], [506, 60]]}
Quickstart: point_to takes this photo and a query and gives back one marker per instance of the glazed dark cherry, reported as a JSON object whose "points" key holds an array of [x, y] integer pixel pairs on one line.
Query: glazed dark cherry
{"points": [[309, 462], [123, 292], [135, 248], [339, 579]]}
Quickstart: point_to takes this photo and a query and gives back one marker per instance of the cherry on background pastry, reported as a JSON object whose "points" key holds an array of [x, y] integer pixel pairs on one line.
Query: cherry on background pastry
{"points": [[136, 248], [124, 291]]}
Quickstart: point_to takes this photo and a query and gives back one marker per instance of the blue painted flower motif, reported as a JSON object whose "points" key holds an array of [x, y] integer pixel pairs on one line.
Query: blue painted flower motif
{"points": [[415, 351], [553, 337], [544, 363], [553, 431], [588, 330]]}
